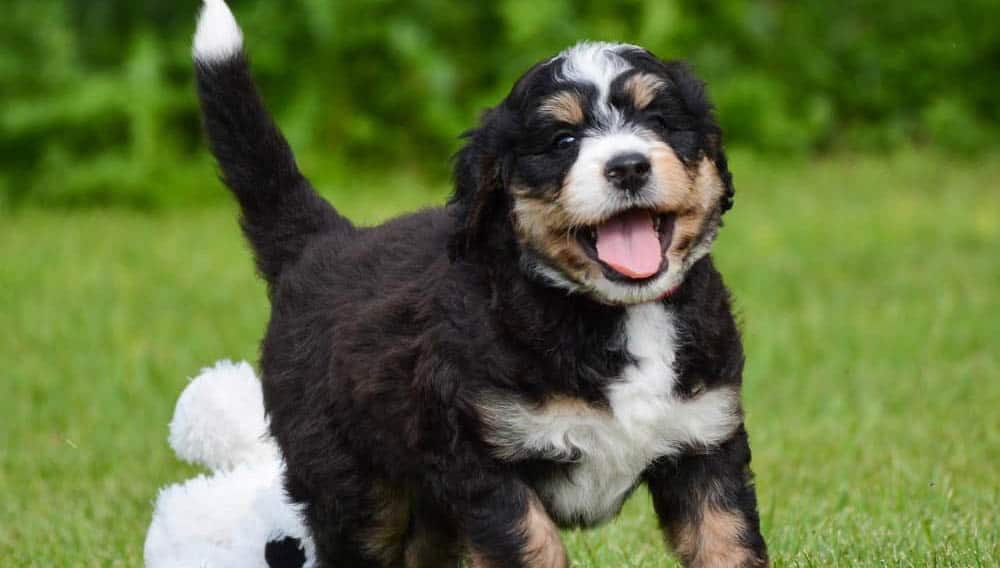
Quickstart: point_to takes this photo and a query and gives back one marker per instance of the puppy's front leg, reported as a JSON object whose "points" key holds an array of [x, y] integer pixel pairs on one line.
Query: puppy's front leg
{"points": [[707, 506], [504, 523]]}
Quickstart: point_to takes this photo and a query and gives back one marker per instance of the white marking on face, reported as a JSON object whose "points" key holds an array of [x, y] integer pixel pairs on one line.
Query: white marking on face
{"points": [[589, 196], [646, 421], [616, 292], [599, 64], [611, 291]]}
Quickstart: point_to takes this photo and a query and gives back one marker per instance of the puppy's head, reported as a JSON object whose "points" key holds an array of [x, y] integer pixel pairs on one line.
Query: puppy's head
{"points": [[604, 166]]}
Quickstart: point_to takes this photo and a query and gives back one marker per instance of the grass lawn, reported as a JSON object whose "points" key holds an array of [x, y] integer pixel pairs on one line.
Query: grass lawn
{"points": [[869, 291]]}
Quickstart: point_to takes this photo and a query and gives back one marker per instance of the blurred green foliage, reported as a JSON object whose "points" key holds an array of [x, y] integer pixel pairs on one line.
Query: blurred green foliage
{"points": [[97, 104]]}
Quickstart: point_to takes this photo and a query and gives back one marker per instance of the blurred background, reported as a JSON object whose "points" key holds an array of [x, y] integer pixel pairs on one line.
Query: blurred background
{"points": [[96, 103], [863, 251]]}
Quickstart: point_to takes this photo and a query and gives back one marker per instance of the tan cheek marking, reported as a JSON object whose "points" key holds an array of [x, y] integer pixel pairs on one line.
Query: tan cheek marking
{"points": [[642, 88], [673, 180], [691, 195], [564, 106], [708, 189], [714, 541], [708, 183], [544, 225]]}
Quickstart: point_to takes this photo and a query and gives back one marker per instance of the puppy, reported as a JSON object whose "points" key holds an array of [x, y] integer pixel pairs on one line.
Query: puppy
{"points": [[457, 384]]}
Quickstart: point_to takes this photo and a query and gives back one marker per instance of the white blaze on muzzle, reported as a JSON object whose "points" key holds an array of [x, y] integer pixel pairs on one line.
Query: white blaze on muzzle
{"points": [[588, 195]]}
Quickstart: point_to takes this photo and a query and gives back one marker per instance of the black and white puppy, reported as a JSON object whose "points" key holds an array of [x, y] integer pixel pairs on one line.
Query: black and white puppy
{"points": [[456, 384]]}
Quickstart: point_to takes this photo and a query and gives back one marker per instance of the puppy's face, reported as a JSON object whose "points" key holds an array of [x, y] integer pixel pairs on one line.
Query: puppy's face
{"points": [[611, 169]]}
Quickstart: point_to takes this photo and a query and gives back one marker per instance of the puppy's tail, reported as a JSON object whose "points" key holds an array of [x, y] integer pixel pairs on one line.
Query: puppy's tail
{"points": [[281, 211]]}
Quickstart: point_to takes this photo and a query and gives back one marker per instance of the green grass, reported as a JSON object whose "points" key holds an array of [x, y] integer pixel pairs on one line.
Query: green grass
{"points": [[869, 290]]}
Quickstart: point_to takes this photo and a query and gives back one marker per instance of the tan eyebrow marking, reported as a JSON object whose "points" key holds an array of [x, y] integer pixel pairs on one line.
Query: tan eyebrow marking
{"points": [[565, 106], [642, 87]]}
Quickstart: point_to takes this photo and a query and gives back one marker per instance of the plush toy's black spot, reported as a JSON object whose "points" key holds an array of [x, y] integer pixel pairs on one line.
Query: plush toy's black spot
{"points": [[285, 553]]}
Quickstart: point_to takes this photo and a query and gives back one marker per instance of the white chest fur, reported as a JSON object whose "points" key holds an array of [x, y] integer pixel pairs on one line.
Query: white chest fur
{"points": [[611, 447]]}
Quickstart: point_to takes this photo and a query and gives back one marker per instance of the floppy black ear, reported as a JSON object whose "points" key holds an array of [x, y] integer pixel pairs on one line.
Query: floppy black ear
{"points": [[478, 195], [722, 164], [691, 90], [482, 167]]}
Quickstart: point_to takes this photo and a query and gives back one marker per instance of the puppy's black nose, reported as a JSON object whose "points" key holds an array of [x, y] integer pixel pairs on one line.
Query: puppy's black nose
{"points": [[628, 172]]}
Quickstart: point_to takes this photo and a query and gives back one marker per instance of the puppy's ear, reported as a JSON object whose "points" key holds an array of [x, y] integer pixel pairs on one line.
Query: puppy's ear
{"points": [[478, 188], [691, 91], [722, 164], [482, 168]]}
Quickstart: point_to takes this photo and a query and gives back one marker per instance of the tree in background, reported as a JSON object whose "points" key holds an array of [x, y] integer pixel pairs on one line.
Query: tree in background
{"points": [[97, 104]]}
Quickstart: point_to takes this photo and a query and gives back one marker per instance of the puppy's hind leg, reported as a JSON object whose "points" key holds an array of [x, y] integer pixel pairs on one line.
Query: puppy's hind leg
{"points": [[433, 540], [353, 522], [502, 521]]}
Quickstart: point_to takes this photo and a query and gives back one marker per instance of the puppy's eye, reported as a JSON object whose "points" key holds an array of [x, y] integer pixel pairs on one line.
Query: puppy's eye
{"points": [[564, 141]]}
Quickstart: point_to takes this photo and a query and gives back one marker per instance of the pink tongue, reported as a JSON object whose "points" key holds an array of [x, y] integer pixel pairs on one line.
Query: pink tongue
{"points": [[628, 243]]}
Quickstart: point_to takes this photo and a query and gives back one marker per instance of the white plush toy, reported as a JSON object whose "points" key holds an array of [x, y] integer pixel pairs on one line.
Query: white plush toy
{"points": [[230, 516]]}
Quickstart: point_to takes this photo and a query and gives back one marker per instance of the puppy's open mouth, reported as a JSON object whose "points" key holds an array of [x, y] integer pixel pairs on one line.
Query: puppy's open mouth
{"points": [[630, 246]]}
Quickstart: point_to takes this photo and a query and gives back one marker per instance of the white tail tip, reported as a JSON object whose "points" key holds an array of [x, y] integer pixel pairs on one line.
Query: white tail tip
{"points": [[218, 37]]}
